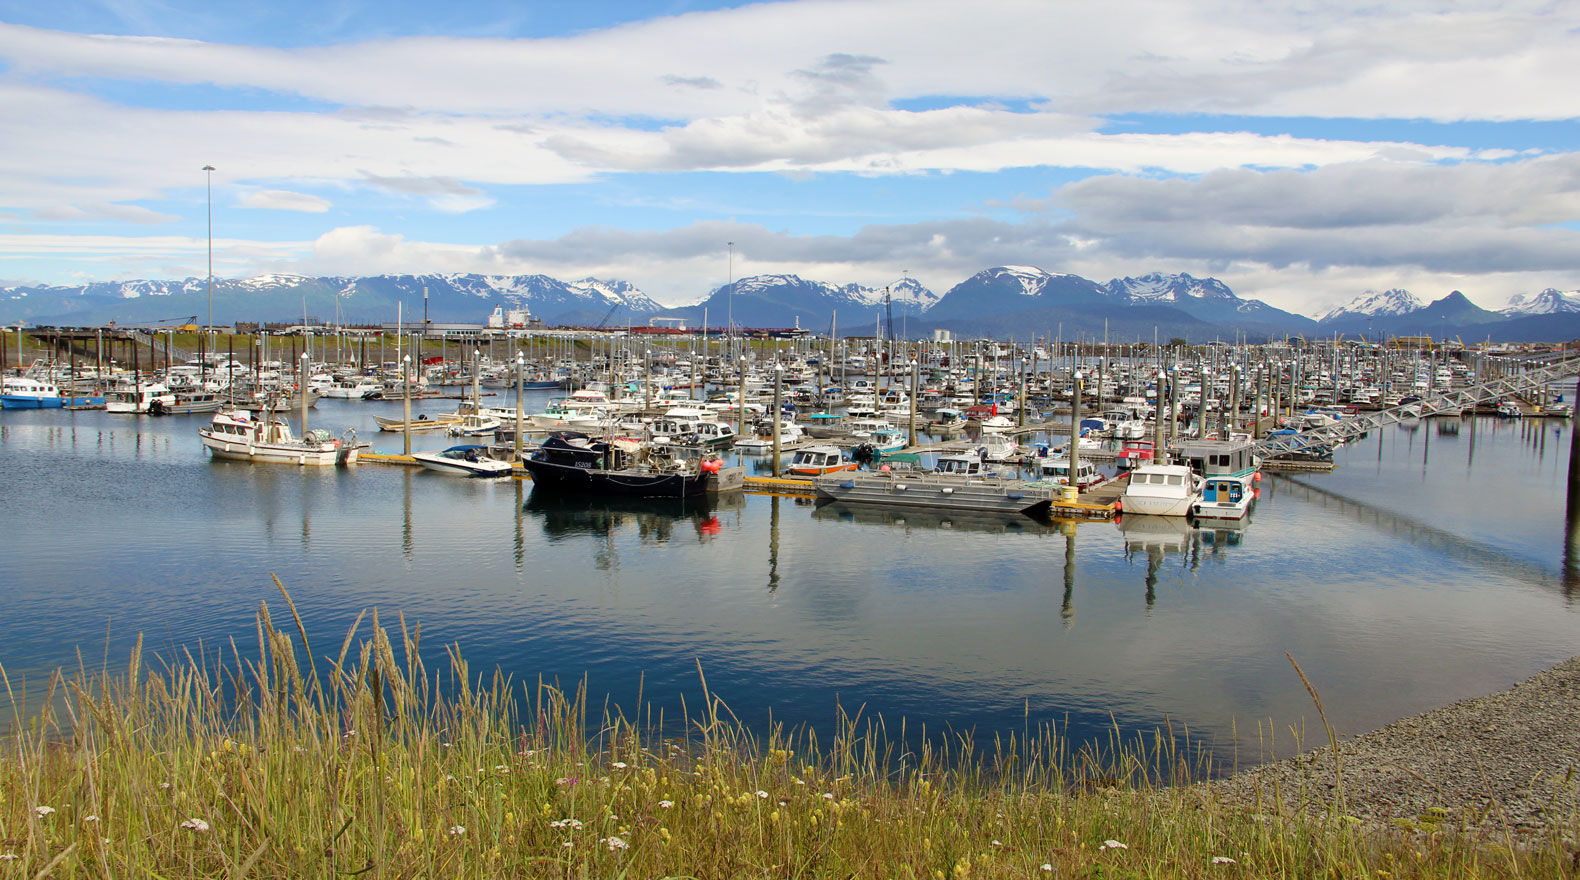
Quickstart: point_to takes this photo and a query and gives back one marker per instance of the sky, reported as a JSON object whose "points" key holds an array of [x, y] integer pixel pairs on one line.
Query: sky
{"points": [[1301, 152]]}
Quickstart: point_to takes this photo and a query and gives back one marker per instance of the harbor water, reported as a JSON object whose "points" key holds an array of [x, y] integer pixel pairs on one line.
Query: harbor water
{"points": [[1429, 566]]}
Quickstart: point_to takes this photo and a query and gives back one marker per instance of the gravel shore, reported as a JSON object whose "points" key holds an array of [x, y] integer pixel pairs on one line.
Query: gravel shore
{"points": [[1506, 761]]}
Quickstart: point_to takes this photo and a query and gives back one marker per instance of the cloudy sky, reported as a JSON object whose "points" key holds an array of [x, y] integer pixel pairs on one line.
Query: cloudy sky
{"points": [[1301, 152]]}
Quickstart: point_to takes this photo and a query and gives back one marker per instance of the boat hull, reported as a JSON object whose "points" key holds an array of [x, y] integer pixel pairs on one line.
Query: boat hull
{"points": [[316, 455], [452, 467], [935, 492], [621, 483]]}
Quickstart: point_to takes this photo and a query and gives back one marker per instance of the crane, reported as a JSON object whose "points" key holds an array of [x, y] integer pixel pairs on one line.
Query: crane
{"points": [[607, 315]]}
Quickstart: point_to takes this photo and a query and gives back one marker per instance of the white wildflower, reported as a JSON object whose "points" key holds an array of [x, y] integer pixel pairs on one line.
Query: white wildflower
{"points": [[1222, 860], [457, 830], [619, 765], [614, 843], [41, 812], [1047, 867], [165, 786], [195, 824], [762, 794], [1113, 844], [998, 843], [828, 796], [90, 818], [666, 804], [9, 857]]}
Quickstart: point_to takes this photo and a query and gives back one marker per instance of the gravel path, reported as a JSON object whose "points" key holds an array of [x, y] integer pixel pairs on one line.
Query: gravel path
{"points": [[1509, 760]]}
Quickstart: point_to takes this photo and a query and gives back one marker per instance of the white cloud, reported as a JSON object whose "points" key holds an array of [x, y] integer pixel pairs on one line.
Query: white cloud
{"points": [[1407, 59], [284, 200]]}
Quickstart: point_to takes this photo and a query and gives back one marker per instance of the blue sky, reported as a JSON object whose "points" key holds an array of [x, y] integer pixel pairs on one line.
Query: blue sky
{"points": [[1303, 154]]}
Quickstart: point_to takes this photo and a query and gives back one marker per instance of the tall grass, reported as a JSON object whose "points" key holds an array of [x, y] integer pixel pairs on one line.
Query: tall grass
{"points": [[380, 767]]}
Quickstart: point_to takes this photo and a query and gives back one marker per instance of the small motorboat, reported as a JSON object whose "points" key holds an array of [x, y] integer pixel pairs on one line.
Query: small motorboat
{"points": [[466, 461], [813, 461], [474, 425], [1224, 497], [1508, 409]]}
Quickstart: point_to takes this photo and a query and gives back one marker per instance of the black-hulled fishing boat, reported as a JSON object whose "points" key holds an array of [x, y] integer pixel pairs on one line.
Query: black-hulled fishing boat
{"points": [[572, 462]]}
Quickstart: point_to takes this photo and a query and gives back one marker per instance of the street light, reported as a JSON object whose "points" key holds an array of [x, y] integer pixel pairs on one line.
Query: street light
{"points": [[209, 173]]}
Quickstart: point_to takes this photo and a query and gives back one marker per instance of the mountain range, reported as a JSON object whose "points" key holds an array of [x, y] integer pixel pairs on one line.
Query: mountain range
{"points": [[1002, 302]]}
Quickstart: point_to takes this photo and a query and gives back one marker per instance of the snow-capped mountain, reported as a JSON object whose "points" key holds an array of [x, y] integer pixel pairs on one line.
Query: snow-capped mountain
{"points": [[1549, 302], [1159, 287], [1206, 299], [367, 299], [1373, 304], [790, 300]]}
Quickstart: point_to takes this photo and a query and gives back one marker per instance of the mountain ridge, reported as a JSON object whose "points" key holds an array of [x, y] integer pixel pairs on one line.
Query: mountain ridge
{"points": [[1000, 300]]}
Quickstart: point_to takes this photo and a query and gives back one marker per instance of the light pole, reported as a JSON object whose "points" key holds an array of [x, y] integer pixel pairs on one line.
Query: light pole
{"points": [[208, 171], [730, 275]]}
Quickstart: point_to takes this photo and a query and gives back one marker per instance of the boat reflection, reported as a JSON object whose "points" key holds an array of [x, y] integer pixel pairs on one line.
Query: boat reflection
{"points": [[656, 519], [1155, 538], [922, 518]]}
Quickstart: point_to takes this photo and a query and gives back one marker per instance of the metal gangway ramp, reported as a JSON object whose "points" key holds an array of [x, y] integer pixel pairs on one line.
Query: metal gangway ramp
{"points": [[1456, 400]]}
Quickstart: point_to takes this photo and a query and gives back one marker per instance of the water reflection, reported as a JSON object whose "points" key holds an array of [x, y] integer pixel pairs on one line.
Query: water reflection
{"points": [[1155, 537]]}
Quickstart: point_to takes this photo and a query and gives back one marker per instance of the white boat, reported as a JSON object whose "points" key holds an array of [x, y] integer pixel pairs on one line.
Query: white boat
{"points": [[997, 425], [997, 447], [353, 388], [1224, 497], [466, 461], [1510, 410], [474, 425], [143, 397], [1160, 490], [1057, 469], [237, 434]]}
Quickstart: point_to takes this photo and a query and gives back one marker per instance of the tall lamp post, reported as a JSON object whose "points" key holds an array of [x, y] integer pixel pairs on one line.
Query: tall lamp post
{"points": [[730, 274], [209, 173]]}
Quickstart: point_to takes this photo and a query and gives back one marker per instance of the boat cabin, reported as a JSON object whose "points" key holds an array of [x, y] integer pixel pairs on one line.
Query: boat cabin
{"points": [[1210, 458], [962, 464], [815, 460], [1058, 470]]}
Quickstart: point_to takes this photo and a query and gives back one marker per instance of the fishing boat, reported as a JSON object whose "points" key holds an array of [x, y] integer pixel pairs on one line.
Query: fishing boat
{"points": [[821, 459], [20, 392], [573, 462], [240, 435], [997, 425], [466, 461], [1160, 490], [1225, 498], [1508, 409]]}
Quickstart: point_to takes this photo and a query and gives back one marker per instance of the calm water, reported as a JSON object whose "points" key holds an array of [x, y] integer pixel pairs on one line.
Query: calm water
{"points": [[1427, 568]]}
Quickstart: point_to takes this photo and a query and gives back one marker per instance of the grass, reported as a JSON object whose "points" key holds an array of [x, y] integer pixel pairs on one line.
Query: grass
{"points": [[258, 766]]}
